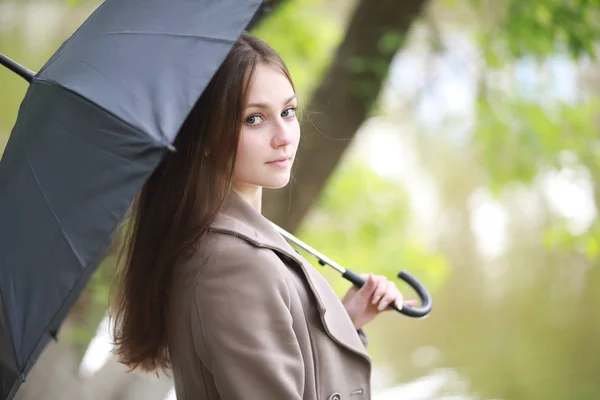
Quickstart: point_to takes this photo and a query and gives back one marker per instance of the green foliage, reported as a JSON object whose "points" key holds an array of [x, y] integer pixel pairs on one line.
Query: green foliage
{"points": [[361, 222], [305, 37], [587, 244], [368, 72], [364, 70], [391, 42], [518, 138], [542, 27], [95, 302], [13, 87]]}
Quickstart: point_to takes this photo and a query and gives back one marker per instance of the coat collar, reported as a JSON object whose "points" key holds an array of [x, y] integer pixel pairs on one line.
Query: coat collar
{"points": [[237, 217]]}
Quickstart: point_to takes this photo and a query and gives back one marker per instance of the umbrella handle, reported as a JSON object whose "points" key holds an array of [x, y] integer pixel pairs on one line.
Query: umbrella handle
{"points": [[415, 312]]}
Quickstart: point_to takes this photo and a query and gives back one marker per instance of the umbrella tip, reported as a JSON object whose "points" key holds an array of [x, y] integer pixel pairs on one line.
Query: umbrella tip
{"points": [[17, 68], [171, 147]]}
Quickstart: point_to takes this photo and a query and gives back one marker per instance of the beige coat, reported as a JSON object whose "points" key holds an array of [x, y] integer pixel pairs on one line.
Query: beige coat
{"points": [[253, 320]]}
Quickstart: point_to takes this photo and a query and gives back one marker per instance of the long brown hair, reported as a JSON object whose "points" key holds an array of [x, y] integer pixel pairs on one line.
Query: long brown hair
{"points": [[177, 204]]}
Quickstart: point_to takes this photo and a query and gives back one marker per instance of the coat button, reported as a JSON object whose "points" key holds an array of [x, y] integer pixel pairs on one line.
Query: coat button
{"points": [[335, 396]]}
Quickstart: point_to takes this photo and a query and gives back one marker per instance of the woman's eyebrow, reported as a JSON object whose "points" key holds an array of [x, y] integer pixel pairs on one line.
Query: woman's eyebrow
{"points": [[263, 105]]}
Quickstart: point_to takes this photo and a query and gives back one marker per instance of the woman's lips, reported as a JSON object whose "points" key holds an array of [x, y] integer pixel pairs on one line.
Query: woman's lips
{"points": [[281, 163]]}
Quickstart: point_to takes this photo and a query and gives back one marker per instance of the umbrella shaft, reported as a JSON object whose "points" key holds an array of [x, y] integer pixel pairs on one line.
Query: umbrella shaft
{"points": [[323, 259]]}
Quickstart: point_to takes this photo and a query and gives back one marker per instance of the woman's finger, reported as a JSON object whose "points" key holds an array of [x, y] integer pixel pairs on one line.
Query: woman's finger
{"points": [[390, 295], [380, 290], [399, 300], [367, 290]]}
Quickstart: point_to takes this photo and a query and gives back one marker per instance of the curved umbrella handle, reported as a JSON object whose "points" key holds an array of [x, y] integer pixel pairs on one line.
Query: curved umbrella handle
{"points": [[415, 312]]}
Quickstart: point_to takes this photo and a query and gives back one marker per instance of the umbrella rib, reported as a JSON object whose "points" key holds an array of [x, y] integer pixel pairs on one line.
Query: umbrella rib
{"points": [[37, 182], [95, 146], [7, 315], [137, 130], [182, 35], [75, 43]]}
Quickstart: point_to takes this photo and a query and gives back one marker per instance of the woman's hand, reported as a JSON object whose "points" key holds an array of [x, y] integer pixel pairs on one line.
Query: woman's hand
{"points": [[376, 296]]}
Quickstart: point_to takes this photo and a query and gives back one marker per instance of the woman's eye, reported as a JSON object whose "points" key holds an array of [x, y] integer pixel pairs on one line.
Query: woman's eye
{"points": [[254, 120], [290, 112]]}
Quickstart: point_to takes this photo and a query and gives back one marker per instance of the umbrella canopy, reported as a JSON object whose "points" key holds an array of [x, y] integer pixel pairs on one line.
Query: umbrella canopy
{"points": [[94, 123]]}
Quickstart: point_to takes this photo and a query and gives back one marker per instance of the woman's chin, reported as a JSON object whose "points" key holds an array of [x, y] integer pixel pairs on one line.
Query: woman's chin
{"points": [[276, 182]]}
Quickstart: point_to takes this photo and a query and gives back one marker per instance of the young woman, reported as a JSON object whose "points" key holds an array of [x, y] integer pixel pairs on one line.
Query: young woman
{"points": [[208, 288]]}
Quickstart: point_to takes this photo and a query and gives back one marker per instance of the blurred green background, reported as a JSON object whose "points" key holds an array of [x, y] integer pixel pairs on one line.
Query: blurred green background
{"points": [[476, 168]]}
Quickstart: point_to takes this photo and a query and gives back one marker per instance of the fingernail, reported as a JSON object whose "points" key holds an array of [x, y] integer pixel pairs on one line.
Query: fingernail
{"points": [[399, 305], [382, 306]]}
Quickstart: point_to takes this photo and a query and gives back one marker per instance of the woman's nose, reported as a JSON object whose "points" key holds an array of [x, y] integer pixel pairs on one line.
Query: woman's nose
{"points": [[283, 134]]}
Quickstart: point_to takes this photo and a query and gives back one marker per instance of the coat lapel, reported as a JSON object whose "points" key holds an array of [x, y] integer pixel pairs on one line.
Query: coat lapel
{"points": [[238, 218]]}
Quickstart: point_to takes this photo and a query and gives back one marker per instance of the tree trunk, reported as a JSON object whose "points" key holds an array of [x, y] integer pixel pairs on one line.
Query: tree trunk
{"points": [[342, 101]]}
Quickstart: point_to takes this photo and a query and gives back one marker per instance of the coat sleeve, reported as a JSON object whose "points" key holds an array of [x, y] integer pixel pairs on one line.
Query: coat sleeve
{"points": [[243, 326]]}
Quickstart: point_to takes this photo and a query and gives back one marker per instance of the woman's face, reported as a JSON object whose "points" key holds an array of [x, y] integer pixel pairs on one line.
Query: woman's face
{"points": [[270, 131]]}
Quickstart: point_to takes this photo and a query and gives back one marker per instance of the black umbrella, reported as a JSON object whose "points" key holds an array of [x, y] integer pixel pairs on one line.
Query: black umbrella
{"points": [[95, 122]]}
